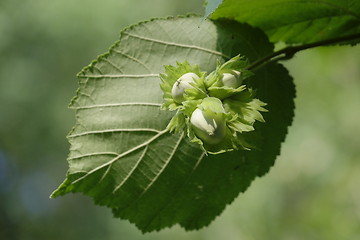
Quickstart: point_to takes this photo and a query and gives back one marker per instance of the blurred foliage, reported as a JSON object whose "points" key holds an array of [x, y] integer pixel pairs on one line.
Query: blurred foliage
{"points": [[311, 193]]}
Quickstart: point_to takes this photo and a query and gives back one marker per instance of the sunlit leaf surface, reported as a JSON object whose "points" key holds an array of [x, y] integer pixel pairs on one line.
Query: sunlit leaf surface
{"points": [[295, 21]]}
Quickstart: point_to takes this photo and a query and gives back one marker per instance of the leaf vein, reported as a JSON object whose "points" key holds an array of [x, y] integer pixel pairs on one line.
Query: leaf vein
{"points": [[132, 58], [106, 172], [112, 64], [144, 144], [160, 172], [120, 75], [177, 44], [178, 190], [115, 130], [132, 170], [93, 154], [118, 105]]}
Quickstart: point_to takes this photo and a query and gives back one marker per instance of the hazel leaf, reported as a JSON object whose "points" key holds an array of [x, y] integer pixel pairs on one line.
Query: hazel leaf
{"points": [[294, 21], [121, 152]]}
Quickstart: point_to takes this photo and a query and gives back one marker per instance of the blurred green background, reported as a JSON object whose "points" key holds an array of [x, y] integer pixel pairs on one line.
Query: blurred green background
{"points": [[313, 192]]}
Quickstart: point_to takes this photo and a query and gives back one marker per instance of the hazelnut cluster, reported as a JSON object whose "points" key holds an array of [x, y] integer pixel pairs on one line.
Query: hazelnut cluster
{"points": [[216, 109]]}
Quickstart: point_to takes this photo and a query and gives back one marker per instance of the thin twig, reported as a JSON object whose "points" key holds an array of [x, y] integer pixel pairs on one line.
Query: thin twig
{"points": [[289, 52]]}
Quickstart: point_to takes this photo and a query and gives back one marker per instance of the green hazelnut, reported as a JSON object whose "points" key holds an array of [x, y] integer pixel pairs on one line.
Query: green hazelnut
{"points": [[208, 126], [183, 83], [232, 79]]}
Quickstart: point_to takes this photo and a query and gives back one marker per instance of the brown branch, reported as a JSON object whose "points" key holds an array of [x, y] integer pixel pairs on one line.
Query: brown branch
{"points": [[289, 52]]}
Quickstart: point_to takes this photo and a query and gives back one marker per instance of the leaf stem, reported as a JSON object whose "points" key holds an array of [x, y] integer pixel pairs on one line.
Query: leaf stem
{"points": [[288, 52]]}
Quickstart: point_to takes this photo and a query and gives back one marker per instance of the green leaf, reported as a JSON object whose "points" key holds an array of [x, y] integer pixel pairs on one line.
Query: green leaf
{"points": [[294, 21], [121, 153]]}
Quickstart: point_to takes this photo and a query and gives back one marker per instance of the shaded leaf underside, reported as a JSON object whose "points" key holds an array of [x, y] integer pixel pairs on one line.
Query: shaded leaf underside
{"points": [[296, 21], [120, 153]]}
